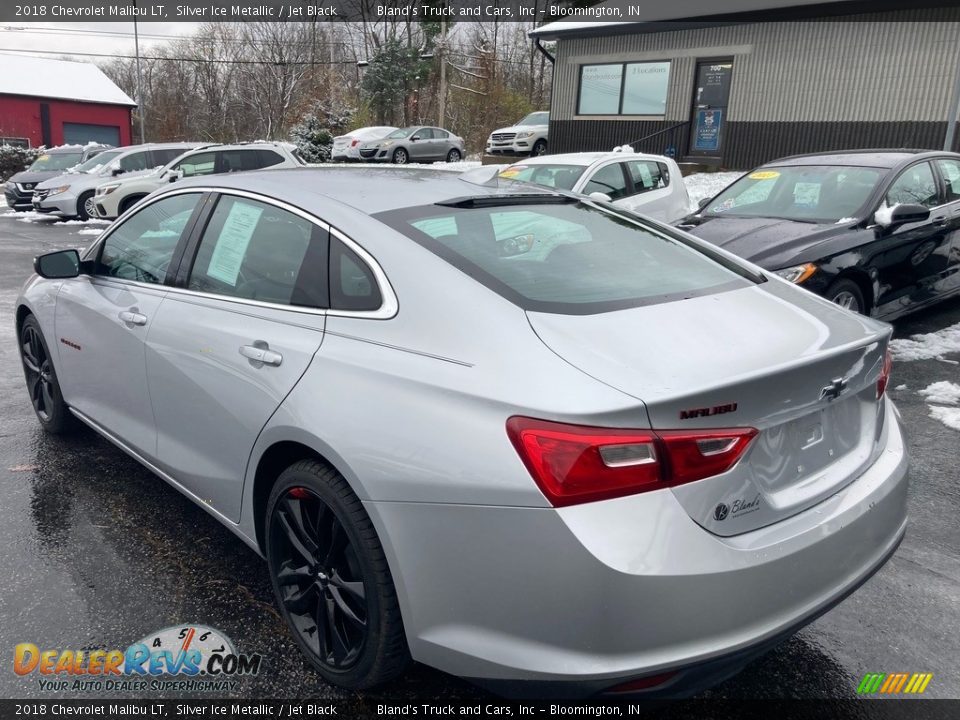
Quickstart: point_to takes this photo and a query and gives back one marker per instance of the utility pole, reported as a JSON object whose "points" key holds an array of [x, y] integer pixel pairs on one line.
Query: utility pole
{"points": [[442, 122], [136, 45]]}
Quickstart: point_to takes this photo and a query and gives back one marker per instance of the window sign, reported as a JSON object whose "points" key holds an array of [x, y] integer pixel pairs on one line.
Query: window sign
{"points": [[232, 245], [645, 88], [707, 131], [600, 89], [624, 89]]}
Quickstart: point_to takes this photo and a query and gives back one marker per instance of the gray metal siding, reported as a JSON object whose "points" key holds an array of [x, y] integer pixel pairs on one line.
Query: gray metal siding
{"points": [[881, 67]]}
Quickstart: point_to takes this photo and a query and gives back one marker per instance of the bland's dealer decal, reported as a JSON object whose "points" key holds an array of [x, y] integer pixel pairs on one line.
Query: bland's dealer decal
{"points": [[200, 657]]}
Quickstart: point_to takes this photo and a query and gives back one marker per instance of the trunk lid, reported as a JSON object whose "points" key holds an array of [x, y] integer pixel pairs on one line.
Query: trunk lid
{"points": [[765, 357]]}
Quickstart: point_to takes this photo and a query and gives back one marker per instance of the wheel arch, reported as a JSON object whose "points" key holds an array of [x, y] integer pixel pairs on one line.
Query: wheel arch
{"points": [[22, 312], [863, 281], [129, 201], [276, 458]]}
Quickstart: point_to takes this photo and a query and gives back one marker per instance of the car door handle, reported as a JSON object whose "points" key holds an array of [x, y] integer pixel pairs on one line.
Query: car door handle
{"points": [[134, 318], [261, 354], [940, 220]]}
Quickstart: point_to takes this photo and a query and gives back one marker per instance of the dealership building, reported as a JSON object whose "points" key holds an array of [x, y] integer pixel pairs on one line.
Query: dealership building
{"points": [[56, 102], [771, 80]]}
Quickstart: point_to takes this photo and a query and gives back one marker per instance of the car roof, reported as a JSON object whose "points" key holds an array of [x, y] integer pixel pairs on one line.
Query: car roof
{"points": [[858, 158], [361, 188], [585, 159]]}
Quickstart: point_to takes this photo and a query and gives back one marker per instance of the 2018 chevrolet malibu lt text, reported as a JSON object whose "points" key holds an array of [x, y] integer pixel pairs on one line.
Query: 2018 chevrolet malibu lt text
{"points": [[514, 434]]}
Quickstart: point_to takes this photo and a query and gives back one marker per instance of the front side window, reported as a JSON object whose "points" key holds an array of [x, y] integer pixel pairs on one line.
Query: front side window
{"points": [[804, 193], [608, 180], [134, 161], [257, 251], [198, 164], [915, 185], [563, 256], [624, 88], [142, 247], [424, 134]]}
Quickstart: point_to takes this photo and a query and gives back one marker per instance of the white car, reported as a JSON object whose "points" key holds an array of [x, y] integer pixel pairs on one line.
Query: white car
{"points": [[347, 147], [115, 198], [648, 184], [527, 137]]}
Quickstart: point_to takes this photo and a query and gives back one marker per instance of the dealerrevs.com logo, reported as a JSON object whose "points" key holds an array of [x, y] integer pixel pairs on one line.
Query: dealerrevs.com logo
{"points": [[187, 658]]}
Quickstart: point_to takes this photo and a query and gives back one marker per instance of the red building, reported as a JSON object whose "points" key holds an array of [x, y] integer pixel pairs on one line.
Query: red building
{"points": [[57, 102]]}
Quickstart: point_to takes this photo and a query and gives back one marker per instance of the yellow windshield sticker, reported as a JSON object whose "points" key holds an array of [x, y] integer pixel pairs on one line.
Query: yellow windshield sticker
{"points": [[511, 172], [764, 175]]}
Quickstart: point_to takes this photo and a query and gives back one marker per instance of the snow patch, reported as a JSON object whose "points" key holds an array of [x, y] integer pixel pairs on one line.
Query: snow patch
{"points": [[901, 387], [943, 393], [706, 185], [928, 346], [949, 416], [90, 231]]}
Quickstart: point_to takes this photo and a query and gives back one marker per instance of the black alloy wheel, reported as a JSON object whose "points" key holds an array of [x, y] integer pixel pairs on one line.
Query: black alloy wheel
{"points": [[331, 580], [42, 384]]}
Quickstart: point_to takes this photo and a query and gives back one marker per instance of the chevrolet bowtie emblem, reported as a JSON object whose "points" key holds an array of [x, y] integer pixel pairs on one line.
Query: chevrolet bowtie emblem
{"points": [[834, 389]]}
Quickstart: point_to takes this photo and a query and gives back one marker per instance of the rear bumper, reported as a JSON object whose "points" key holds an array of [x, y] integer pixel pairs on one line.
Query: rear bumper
{"points": [[581, 599]]}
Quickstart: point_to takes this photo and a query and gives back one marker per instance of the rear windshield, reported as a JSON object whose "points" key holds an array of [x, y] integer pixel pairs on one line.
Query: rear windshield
{"points": [[568, 258], [563, 177]]}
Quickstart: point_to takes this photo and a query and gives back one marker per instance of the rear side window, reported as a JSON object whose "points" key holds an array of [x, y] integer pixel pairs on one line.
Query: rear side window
{"points": [[352, 283], [567, 258], [648, 175], [256, 251], [239, 160], [268, 158]]}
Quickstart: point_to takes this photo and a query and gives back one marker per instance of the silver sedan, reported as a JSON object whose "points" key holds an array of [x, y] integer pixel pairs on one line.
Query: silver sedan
{"points": [[517, 435], [414, 144]]}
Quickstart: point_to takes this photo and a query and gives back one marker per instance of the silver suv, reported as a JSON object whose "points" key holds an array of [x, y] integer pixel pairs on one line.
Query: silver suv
{"points": [[71, 195], [116, 197]]}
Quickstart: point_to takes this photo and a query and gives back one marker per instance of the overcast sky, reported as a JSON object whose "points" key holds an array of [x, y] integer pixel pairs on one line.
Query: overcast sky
{"points": [[110, 38]]}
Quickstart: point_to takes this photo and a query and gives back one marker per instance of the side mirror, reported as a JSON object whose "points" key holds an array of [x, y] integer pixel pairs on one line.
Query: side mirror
{"points": [[58, 265], [599, 197], [702, 203], [174, 176], [117, 171], [901, 214], [415, 138]]}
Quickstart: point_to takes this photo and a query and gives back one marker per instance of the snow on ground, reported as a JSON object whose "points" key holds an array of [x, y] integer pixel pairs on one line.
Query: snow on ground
{"points": [[942, 393], [949, 416], [939, 395], [928, 346], [706, 185], [90, 231]]}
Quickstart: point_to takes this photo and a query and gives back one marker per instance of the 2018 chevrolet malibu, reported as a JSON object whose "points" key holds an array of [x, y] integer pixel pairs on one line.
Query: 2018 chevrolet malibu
{"points": [[520, 436]]}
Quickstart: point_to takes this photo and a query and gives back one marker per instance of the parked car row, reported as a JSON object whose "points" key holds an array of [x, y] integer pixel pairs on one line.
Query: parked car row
{"points": [[104, 182]]}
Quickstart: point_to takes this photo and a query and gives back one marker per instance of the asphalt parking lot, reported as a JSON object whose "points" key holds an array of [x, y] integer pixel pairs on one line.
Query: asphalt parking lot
{"points": [[98, 552]]}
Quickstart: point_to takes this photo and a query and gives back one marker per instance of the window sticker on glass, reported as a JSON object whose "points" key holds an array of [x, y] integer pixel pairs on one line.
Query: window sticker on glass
{"points": [[232, 243], [645, 175], [806, 194], [764, 175]]}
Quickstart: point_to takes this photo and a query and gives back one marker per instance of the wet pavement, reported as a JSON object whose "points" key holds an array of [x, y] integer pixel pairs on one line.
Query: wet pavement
{"points": [[96, 552]]}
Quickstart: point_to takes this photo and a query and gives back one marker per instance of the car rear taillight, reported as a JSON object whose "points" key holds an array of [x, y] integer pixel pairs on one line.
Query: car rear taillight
{"points": [[884, 378], [576, 464]]}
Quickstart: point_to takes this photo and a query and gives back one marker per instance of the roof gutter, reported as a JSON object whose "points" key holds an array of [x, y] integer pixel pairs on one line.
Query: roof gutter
{"points": [[542, 49]]}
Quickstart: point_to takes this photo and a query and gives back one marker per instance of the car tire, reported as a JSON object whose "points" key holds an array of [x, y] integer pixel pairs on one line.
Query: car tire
{"points": [[312, 512], [400, 157], [539, 148], [847, 294], [42, 384], [454, 156], [85, 209], [129, 203]]}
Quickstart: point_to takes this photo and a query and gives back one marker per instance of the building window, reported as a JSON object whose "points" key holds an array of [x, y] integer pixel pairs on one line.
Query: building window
{"points": [[623, 89], [15, 142]]}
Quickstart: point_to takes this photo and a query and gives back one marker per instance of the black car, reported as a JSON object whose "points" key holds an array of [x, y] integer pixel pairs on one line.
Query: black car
{"points": [[877, 231]]}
